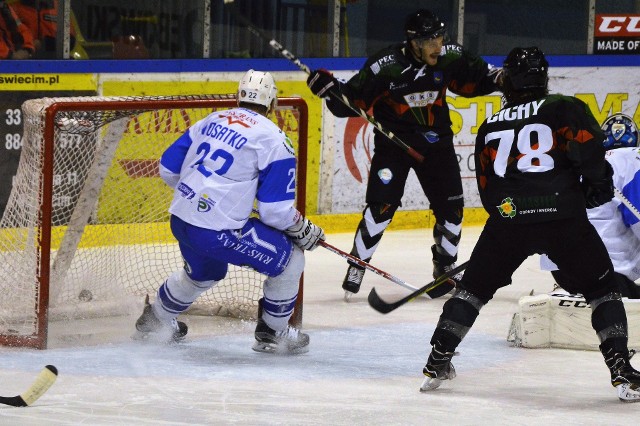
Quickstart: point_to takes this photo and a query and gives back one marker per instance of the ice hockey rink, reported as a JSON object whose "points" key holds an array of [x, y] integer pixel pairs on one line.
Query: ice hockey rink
{"points": [[363, 368]]}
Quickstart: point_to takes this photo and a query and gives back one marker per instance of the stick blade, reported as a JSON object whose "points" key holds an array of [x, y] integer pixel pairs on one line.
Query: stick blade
{"points": [[378, 304], [43, 382]]}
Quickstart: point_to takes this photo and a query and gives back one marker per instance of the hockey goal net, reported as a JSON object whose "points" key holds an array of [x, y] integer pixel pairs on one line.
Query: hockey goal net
{"points": [[85, 229]]}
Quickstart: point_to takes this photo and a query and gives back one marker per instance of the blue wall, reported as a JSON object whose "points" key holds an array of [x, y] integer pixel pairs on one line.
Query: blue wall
{"points": [[222, 65]]}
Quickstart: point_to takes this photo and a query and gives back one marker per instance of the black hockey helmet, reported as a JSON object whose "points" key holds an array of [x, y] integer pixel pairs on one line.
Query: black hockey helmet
{"points": [[423, 24], [526, 68]]}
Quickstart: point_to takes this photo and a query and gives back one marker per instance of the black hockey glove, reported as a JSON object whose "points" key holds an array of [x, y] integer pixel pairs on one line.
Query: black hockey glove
{"points": [[322, 82], [599, 192]]}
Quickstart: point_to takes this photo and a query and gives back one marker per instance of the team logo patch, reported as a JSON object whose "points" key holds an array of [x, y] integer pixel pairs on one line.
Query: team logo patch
{"points": [[205, 204], [507, 208], [437, 77], [431, 136], [385, 175]]}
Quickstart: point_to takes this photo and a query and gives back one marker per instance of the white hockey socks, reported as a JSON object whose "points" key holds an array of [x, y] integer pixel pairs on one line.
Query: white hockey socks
{"points": [[281, 292], [177, 294]]}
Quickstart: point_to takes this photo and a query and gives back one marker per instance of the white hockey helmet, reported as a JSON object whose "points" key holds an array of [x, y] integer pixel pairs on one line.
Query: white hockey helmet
{"points": [[257, 87]]}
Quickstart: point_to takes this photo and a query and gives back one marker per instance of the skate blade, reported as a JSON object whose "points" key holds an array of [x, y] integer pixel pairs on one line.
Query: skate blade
{"points": [[155, 338], [271, 348], [430, 384], [627, 393], [347, 296]]}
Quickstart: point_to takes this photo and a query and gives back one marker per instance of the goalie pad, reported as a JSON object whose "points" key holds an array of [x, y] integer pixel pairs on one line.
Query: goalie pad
{"points": [[563, 320]]}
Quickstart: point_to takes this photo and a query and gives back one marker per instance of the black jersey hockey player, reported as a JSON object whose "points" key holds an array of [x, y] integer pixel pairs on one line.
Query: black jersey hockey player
{"points": [[406, 85], [529, 159]]}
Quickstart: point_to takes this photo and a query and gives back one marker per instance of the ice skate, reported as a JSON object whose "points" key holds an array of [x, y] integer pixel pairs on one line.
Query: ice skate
{"points": [[441, 267], [438, 368], [352, 281], [149, 327], [287, 341], [624, 377]]}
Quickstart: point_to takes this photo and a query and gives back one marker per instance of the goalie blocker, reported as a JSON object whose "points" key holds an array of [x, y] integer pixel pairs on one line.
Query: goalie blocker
{"points": [[562, 320]]}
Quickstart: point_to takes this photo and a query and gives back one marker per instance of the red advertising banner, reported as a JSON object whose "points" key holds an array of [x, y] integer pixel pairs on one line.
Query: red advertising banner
{"points": [[617, 34]]}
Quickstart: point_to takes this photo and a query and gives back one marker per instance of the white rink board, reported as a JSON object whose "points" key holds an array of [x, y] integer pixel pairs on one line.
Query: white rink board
{"points": [[348, 142]]}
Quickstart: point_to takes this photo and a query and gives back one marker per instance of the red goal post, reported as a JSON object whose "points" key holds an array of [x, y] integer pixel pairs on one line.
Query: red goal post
{"points": [[85, 231]]}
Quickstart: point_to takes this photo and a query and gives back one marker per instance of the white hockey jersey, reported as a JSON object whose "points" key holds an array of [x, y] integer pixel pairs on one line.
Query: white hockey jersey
{"points": [[224, 163], [617, 226]]}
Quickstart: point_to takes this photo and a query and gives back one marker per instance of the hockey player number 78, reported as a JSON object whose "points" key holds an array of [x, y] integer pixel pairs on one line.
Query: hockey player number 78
{"points": [[544, 143]]}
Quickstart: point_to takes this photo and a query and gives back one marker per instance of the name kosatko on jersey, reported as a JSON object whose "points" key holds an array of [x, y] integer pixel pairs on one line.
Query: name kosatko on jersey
{"points": [[225, 162], [529, 157]]}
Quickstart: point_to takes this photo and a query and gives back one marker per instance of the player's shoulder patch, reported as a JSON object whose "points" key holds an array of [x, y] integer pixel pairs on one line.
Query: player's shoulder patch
{"points": [[450, 53], [387, 58], [288, 144]]}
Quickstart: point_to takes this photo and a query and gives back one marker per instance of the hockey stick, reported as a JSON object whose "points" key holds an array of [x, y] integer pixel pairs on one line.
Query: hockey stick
{"points": [[45, 379], [626, 202], [385, 307], [365, 265], [342, 98], [361, 263]]}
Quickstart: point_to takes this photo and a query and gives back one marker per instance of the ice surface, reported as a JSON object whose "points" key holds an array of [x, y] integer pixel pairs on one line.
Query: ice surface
{"points": [[363, 368]]}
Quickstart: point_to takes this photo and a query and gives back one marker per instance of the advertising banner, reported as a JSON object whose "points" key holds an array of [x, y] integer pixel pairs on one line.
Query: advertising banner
{"points": [[348, 142], [617, 34]]}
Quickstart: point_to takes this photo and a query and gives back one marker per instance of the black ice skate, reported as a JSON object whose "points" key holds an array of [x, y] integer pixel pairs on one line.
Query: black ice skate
{"points": [[287, 341], [624, 377], [352, 281], [149, 327], [441, 265], [438, 368]]}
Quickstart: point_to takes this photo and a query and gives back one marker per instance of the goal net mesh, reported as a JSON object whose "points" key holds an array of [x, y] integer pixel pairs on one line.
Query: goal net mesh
{"points": [[95, 233]]}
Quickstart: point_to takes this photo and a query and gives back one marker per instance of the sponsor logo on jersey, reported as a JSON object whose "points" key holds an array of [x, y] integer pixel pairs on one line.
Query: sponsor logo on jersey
{"points": [[507, 208], [385, 175], [393, 85], [421, 99], [186, 191], [205, 204], [517, 112], [538, 204], [377, 65], [288, 145], [450, 48]]}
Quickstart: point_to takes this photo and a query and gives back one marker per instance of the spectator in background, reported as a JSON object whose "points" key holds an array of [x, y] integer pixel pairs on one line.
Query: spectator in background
{"points": [[16, 41], [41, 17]]}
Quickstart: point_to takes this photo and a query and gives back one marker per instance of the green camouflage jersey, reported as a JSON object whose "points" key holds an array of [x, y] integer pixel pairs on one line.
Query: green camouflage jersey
{"points": [[530, 156], [408, 96]]}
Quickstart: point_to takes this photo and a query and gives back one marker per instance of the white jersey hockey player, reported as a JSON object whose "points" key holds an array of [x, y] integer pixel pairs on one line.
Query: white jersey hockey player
{"points": [[618, 227], [219, 168]]}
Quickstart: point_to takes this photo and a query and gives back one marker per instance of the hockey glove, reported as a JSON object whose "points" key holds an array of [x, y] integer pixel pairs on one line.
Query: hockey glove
{"points": [[305, 234], [599, 192], [322, 82]]}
